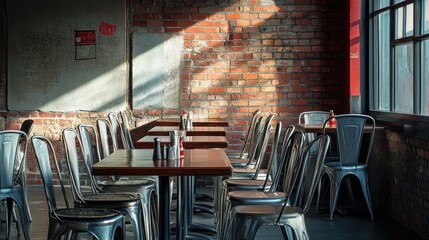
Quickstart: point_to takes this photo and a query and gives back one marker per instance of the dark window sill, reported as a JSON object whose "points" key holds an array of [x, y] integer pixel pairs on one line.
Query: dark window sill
{"points": [[407, 124]]}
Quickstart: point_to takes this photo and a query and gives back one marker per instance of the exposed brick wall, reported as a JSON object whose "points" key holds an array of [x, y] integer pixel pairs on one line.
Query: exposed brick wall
{"points": [[399, 180], [50, 125], [282, 57]]}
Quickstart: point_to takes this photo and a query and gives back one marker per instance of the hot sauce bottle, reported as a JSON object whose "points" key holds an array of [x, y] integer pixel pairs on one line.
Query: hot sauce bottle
{"points": [[332, 121]]}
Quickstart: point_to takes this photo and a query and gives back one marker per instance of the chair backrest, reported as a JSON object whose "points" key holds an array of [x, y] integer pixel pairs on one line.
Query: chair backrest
{"points": [[350, 130], [108, 144], [27, 126], [273, 159], [126, 128], [292, 161], [250, 132], [45, 154], [117, 130], [261, 143], [72, 145], [253, 146], [313, 117], [9, 148], [90, 146], [276, 167], [309, 174]]}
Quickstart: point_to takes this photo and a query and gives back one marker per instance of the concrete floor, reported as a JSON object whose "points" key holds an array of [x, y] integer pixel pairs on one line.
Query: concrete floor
{"points": [[355, 226]]}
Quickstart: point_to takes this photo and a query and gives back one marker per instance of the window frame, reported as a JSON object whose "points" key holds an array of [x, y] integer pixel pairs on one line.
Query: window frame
{"points": [[413, 124]]}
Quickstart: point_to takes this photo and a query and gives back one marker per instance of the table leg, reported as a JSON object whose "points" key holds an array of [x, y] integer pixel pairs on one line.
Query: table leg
{"points": [[182, 208], [164, 207]]}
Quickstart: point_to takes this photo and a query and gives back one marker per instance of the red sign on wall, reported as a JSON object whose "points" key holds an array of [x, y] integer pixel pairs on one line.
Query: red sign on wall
{"points": [[107, 29], [85, 37]]}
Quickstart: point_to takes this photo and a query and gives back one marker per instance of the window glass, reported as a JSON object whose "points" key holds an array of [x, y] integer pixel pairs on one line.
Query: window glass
{"points": [[425, 75], [399, 23], [403, 78], [380, 4], [409, 21], [383, 62], [425, 17], [398, 1]]}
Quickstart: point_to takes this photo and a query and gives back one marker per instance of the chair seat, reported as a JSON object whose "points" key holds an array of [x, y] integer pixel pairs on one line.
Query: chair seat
{"points": [[256, 197], [269, 212], [238, 162], [86, 213], [244, 184], [337, 167], [127, 182], [16, 187], [108, 200]]}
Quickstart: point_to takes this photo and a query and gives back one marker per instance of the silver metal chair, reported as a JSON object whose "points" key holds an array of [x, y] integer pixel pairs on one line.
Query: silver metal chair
{"points": [[10, 190], [123, 121], [253, 146], [290, 164], [350, 132], [253, 183], [100, 223], [251, 165], [244, 149], [247, 219], [26, 126], [313, 117], [118, 132], [128, 204], [145, 187]]}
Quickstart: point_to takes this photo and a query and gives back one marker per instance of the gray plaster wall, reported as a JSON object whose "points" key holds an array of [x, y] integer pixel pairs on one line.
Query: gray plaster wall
{"points": [[42, 71], [156, 68]]}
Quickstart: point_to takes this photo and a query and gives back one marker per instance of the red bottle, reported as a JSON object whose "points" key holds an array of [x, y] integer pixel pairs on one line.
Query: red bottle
{"points": [[182, 151], [332, 121]]}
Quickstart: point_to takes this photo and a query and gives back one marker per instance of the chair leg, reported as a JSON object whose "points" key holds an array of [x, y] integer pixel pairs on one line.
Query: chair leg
{"points": [[9, 210], [335, 189], [365, 189], [299, 228]]}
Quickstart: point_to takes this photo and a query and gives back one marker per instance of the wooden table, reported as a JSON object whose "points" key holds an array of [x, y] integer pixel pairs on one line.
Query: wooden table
{"points": [[318, 128], [188, 142], [195, 131], [198, 122], [197, 162]]}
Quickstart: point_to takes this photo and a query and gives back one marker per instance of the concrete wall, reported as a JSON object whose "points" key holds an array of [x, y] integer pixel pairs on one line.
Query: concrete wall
{"points": [[43, 73], [156, 67]]}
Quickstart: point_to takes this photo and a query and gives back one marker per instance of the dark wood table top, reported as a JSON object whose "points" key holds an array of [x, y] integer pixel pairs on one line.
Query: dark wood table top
{"points": [[188, 142], [195, 131], [138, 162], [198, 122], [317, 128]]}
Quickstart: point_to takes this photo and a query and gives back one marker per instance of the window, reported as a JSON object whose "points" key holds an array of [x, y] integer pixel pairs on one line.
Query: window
{"points": [[399, 58]]}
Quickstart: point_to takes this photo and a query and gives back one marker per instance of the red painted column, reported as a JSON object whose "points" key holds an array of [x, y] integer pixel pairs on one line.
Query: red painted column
{"points": [[354, 48]]}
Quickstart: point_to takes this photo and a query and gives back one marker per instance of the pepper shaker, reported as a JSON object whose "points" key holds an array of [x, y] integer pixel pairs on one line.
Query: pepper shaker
{"points": [[157, 149]]}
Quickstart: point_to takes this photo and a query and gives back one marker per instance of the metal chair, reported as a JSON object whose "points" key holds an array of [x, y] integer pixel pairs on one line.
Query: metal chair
{"points": [[100, 223], [253, 146], [145, 187], [247, 219], [123, 121], [250, 165], [350, 131], [253, 183], [242, 153], [21, 178], [313, 117], [290, 164], [254, 164], [10, 190], [127, 203], [117, 130]]}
